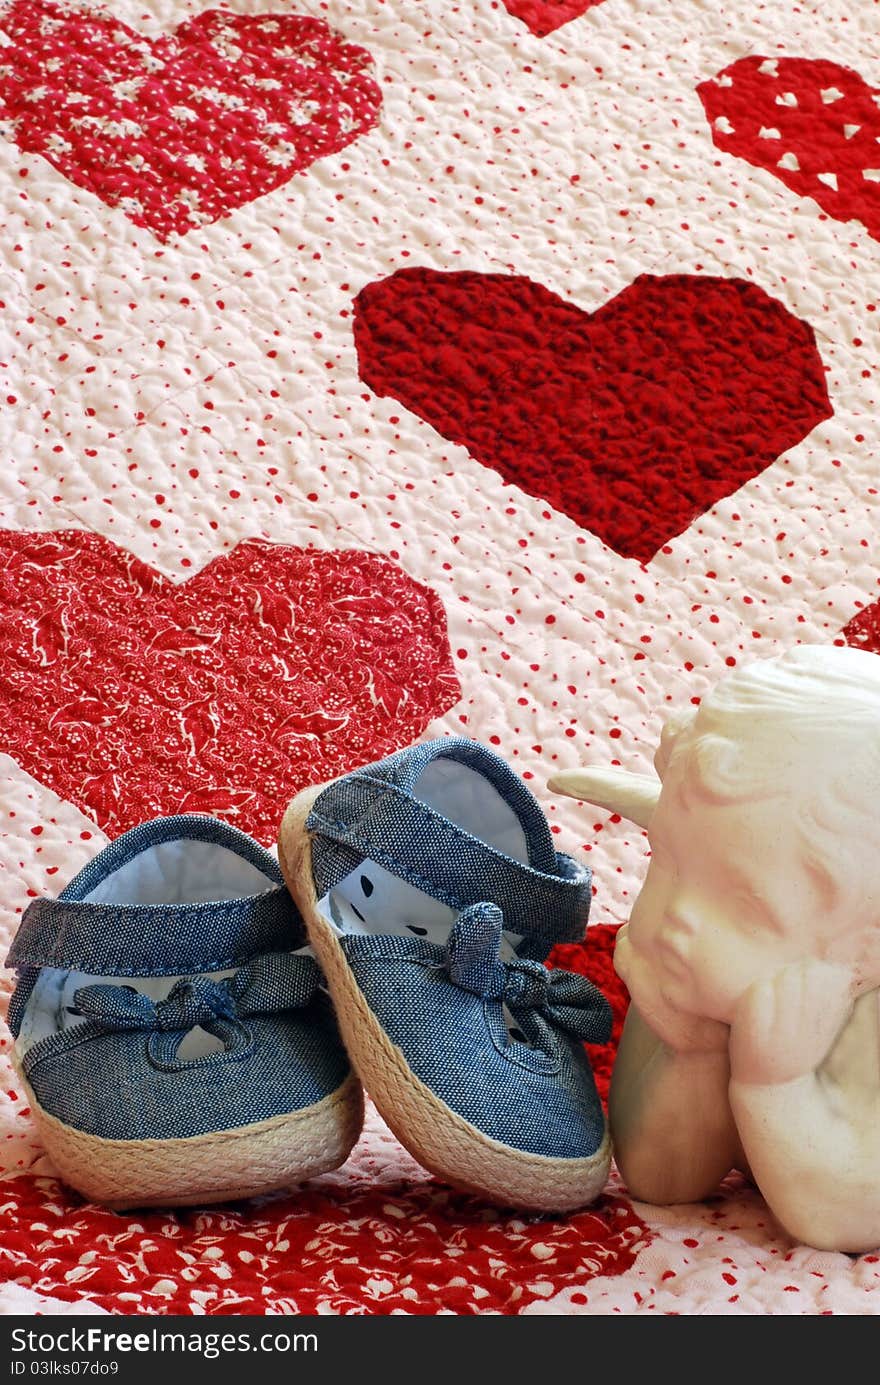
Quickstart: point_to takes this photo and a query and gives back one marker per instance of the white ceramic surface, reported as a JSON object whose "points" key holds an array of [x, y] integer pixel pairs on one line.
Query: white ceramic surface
{"points": [[752, 953]]}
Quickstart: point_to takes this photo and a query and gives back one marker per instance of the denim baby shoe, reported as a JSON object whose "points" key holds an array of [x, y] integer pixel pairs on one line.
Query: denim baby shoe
{"points": [[172, 1035], [432, 893]]}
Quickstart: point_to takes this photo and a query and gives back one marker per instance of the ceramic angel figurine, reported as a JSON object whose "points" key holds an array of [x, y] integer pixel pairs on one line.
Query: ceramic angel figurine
{"points": [[752, 954]]}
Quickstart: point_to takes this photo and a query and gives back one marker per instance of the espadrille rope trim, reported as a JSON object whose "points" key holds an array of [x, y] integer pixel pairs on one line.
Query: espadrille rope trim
{"points": [[223, 1165]]}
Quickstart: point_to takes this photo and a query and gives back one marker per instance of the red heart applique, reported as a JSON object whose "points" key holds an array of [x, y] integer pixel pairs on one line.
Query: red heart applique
{"points": [[273, 668], [814, 124], [632, 420], [594, 957], [543, 16], [180, 130], [863, 630], [374, 1244]]}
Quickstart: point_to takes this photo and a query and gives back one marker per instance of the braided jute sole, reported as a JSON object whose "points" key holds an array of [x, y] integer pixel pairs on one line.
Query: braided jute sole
{"points": [[442, 1141], [223, 1166]]}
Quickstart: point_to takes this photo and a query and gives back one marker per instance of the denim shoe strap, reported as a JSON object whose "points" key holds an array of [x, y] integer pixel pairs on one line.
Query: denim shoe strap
{"points": [[155, 939], [371, 819], [269, 985]]}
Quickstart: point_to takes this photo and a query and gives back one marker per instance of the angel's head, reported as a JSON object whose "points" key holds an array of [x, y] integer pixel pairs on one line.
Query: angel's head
{"points": [[765, 834]]}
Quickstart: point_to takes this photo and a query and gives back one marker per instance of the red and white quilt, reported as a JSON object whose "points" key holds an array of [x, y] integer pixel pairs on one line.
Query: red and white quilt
{"points": [[373, 370]]}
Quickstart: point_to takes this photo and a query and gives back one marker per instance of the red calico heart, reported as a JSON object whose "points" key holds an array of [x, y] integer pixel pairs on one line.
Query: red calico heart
{"points": [[814, 124], [374, 1241], [273, 668], [180, 130], [543, 16], [632, 420]]}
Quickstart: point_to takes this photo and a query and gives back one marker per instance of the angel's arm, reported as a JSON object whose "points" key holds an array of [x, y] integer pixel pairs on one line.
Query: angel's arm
{"points": [[805, 1093], [673, 1130]]}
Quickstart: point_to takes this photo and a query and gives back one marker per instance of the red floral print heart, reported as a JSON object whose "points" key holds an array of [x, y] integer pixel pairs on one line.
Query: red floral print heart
{"points": [[273, 668], [632, 420], [543, 16], [594, 957], [380, 1245], [814, 124], [180, 130]]}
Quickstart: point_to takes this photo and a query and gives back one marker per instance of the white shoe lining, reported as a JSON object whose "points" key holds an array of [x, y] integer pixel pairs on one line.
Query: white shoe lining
{"points": [[372, 901], [184, 871]]}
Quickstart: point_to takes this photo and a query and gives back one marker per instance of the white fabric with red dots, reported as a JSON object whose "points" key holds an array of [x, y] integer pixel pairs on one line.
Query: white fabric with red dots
{"points": [[408, 431]]}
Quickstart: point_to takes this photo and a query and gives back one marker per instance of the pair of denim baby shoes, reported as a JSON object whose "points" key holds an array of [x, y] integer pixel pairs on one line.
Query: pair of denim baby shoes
{"points": [[187, 1015]]}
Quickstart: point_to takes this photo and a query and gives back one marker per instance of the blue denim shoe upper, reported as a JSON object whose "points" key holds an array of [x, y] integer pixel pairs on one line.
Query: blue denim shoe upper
{"points": [[233, 1028], [438, 872]]}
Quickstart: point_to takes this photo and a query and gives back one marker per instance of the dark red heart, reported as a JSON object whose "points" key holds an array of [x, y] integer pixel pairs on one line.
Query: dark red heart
{"points": [[863, 630], [594, 957], [382, 1243], [543, 16], [633, 420], [180, 130], [271, 669], [814, 124]]}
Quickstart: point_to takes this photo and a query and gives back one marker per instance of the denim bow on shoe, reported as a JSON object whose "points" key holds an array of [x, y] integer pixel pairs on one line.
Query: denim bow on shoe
{"points": [[275, 982], [562, 999]]}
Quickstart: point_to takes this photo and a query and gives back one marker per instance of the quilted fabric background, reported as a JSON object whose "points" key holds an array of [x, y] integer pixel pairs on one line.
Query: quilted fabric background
{"points": [[381, 369]]}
